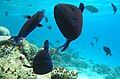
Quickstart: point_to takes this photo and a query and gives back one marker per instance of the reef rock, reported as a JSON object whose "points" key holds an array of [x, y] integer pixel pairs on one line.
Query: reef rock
{"points": [[4, 31]]}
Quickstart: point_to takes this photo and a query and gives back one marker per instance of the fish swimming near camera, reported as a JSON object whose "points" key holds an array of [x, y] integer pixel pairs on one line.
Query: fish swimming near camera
{"points": [[107, 51], [69, 20], [42, 62], [28, 27], [114, 8]]}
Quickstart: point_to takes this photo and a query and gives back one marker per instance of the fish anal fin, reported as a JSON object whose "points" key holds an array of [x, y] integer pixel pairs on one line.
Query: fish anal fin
{"points": [[27, 66], [40, 25], [27, 16]]}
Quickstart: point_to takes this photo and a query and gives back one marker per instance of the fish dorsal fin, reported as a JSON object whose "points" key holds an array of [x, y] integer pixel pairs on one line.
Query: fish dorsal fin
{"points": [[46, 45], [27, 16], [81, 7]]}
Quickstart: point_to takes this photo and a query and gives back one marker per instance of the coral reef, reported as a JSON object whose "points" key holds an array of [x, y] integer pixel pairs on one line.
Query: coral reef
{"points": [[4, 31]]}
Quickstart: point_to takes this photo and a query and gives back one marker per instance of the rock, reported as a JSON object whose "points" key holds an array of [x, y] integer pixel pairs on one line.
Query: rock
{"points": [[4, 31], [101, 69], [11, 66]]}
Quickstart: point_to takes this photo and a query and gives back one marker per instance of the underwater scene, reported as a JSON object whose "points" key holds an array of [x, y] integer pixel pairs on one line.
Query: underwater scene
{"points": [[59, 39]]}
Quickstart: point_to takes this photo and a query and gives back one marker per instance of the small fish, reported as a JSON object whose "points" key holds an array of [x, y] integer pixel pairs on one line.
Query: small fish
{"points": [[30, 5], [42, 62], [49, 27], [57, 41], [107, 50], [114, 8], [91, 44], [28, 27], [6, 13], [91, 8], [46, 19], [96, 39]]}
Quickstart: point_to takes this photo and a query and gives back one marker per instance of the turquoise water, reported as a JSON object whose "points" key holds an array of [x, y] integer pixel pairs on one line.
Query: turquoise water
{"points": [[103, 25]]}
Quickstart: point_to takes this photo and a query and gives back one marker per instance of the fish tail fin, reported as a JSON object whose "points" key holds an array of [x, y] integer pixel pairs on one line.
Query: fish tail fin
{"points": [[66, 45], [81, 7], [46, 45], [27, 66], [15, 40]]}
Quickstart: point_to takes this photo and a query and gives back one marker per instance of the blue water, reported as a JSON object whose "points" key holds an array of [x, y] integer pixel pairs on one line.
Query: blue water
{"points": [[103, 25]]}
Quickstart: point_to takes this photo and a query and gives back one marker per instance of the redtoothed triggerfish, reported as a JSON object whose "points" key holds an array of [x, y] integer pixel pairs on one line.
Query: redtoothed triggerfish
{"points": [[107, 50], [28, 27], [42, 62], [69, 20]]}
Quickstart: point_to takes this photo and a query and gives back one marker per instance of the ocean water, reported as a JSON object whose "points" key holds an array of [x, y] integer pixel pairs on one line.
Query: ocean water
{"points": [[103, 25]]}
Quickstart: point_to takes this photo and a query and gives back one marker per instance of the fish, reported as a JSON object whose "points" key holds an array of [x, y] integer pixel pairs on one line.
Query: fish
{"points": [[91, 43], [69, 20], [6, 13], [107, 51], [5, 40], [114, 8], [91, 8], [96, 39], [49, 27], [46, 19], [28, 27], [42, 62]]}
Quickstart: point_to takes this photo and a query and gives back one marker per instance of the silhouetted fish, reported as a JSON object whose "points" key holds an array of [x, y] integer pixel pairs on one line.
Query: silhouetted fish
{"points": [[42, 63], [114, 8], [107, 50], [91, 8], [69, 20], [28, 27]]}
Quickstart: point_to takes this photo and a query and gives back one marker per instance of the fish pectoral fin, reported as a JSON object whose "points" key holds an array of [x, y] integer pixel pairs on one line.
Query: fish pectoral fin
{"points": [[27, 66], [27, 16], [40, 25]]}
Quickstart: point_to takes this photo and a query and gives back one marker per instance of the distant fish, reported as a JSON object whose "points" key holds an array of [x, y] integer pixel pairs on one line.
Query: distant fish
{"points": [[91, 43], [91, 8], [6, 13], [107, 50], [28, 27], [49, 27], [30, 5], [69, 20], [96, 39], [114, 8], [46, 19], [42, 62], [57, 41]]}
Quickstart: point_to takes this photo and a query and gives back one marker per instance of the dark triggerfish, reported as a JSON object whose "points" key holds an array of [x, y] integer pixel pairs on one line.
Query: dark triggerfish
{"points": [[107, 50], [28, 27], [42, 63], [69, 20]]}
